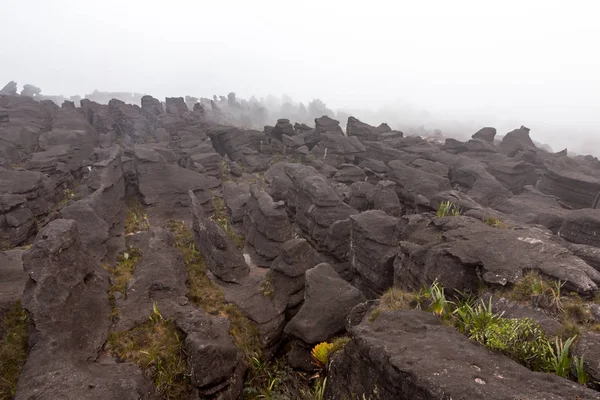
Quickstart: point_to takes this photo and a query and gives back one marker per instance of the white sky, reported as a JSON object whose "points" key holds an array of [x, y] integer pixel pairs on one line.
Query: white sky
{"points": [[536, 62]]}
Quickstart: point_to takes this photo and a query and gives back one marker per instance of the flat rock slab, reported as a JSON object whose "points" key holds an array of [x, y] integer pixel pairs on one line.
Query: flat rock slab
{"points": [[410, 355]]}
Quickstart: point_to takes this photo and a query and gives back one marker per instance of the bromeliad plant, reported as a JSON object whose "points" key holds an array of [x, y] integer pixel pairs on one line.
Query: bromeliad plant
{"points": [[448, 209]]}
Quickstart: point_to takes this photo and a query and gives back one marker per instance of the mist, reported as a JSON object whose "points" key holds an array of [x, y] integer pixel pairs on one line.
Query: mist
{"points": [[416, 65]]}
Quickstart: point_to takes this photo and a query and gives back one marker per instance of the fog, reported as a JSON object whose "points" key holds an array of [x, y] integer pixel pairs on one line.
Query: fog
{"points": [[454, 66]]}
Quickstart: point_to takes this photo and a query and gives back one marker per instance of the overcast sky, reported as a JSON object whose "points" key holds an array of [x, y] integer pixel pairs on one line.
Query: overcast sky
{"points": [[536, 62]]}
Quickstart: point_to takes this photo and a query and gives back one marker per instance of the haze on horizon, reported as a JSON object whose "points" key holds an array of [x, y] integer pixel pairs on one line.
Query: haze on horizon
{"points": [[501, 63]]}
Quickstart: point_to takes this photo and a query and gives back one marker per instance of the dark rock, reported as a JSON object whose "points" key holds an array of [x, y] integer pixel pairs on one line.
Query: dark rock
{"points": [[517, 140], [360, 195], [376, 166], [587, 347], [266, 223], [408, 355], [327, 301], [176, 106], [433, 167], [581, 227], [574, 184], [465, 250], [222, 257], [13, 279], [283, 127], [384, 198], [236, 197], [487, 134], [471, 177], [513, 175], [348, 173], [325, 124], [67, 299], [374, 242], [413, 182], [152, 106], [364, 131]]}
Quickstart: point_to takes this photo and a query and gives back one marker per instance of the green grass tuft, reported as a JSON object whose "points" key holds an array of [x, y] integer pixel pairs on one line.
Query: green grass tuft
{"points": [[448, 209], [136, 219], [157, 348], [221, 217], [121, 273], [13, 349]]}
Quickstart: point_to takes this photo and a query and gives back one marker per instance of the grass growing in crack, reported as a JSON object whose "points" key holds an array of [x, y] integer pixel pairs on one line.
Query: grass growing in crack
{"points": [[121, 273], [13, 349], [157, 348], [448, 209], [221, 217], [266, 286], [276, 380], [209, 297], [136, 219]]}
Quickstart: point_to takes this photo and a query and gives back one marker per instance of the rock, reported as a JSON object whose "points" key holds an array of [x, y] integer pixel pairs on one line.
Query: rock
{"points": [[283, 127], [13, 279], [287, 272], [587, 347], [574, 184], [374, 241], [325, 124], [67, 299], [513, 175], [30, 90], [10, 89], [413, 182], [487, 134], [472, 178], [349, 174], [176, 106], [222, 257], [315, 203], [328, 299], [581, 227], [469, 250], [364, 131], [360, 195], [384, 198], [375, 166], [516, 141], [336, 149], [152, 106], [236, 197], [266, 224], [410, 354]]}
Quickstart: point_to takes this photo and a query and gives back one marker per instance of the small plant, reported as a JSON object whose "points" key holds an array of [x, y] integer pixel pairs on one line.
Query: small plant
{"points": [[582, 376], [121, 273], [221, 217], [561, 362], [448, 209], [495, 223], [555, 293], [320, 389], [157, 348], [266, 286], [156, 316], [14, 330], [136, 219], [320, 354]]}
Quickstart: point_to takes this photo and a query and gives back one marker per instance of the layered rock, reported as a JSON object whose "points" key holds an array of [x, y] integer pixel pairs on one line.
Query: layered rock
{"points": [[487, 134], [364, 131], [410, 355], [67, 299], [266, 224], [374, 240], [581, 227], [328, 299]]}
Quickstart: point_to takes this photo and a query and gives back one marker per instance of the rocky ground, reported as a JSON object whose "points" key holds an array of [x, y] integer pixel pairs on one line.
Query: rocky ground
{"points": [[149, 252]]}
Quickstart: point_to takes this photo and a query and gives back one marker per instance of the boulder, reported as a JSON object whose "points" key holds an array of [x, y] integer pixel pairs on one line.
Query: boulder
{"points": [[587, 347], [236, 197], [384, 198], [581, 227], [364, 131], [13, 279], [67, 299], [222, 258], [361, 195], [408, 355], [325, 124], [513, 175], [374, 241], [30, 90], [461, 251], [266, 223], [575, 185], [487, 134], [516, 141], [348, 173], [152, 106], [328, 299], [10, 89]]}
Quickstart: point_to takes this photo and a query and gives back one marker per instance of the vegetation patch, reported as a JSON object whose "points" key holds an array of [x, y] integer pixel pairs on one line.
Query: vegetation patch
{"points": [[209, 297], [277, 380], [221, 217], [266, 286], [496, 223], [136, 219], [157, 348], [13, 349], [121, 273], [448, 209]]}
